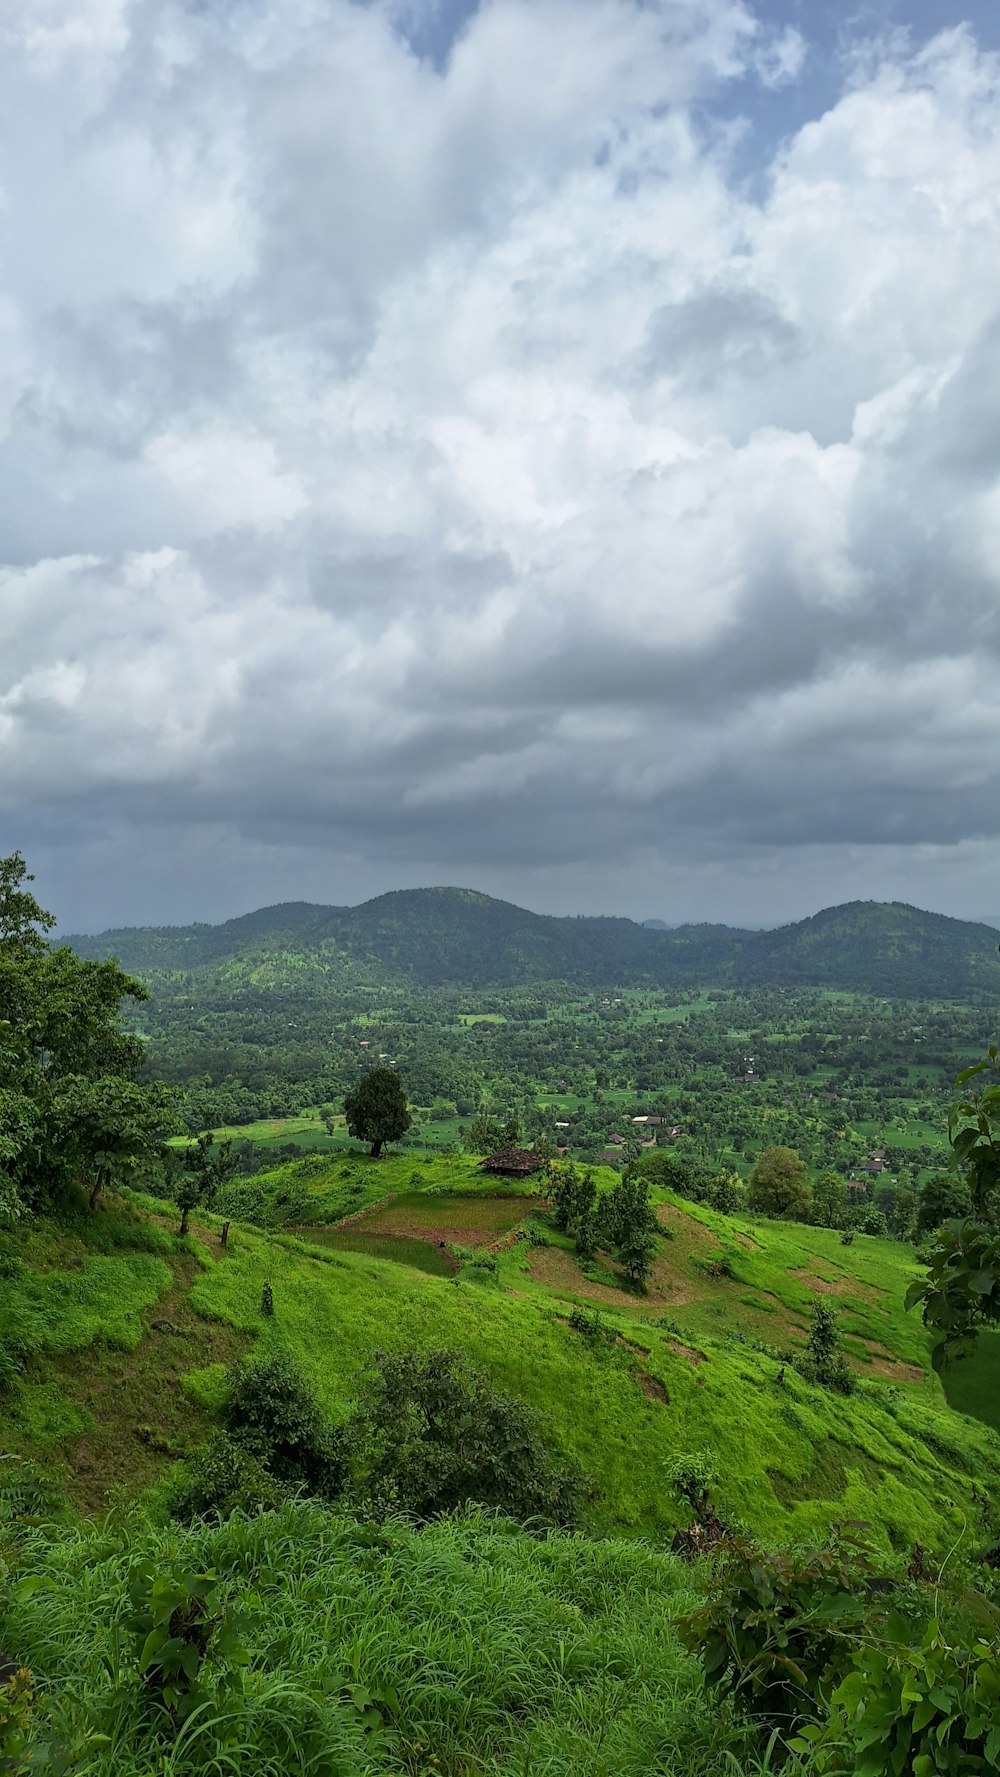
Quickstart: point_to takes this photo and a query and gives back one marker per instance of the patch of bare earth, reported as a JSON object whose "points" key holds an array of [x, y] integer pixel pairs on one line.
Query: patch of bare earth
{"points": [[652, 1386], [142, 1418], [558, 1271], [839, 1286], [748, 1241], [687, 1351], [678, 1222], [896, 1370]]}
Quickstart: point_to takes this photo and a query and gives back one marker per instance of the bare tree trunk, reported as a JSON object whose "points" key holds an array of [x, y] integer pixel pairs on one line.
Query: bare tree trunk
{"points": [[224, 1236], [96, 1192], [185, 1212], [376, 1149]]}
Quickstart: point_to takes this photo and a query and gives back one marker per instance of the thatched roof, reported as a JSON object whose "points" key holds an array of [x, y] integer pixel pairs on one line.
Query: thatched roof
{"points": [[520, 1161]]}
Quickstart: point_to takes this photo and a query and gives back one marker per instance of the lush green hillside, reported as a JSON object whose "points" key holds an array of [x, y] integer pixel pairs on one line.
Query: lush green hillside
{"points": [[455, 936], [125, 1345], [431, 936], [324, 1642], [883, 947]]}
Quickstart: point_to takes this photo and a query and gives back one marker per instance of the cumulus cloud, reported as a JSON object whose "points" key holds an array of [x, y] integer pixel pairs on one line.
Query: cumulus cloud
{"points": [[454, 470]]}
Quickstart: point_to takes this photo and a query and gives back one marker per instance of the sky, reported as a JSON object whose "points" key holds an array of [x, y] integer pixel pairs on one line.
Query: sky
{"points": [[547, 446]]}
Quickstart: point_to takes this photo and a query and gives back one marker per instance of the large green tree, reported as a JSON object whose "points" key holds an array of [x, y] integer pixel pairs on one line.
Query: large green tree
{"points": [[778, 1185], [73, 1110], [376, 1110]]}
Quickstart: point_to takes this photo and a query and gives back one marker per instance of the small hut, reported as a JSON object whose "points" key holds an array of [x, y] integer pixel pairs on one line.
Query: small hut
{"points": [[515, 1162]]}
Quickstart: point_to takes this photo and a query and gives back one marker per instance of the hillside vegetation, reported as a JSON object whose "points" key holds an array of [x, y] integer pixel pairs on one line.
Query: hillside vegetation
{"points": [[365, 1466], [701, 1362], [448, 936]]}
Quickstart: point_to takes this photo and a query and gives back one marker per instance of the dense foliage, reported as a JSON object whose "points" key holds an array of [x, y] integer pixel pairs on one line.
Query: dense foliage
{"points": [[73, 1111]]}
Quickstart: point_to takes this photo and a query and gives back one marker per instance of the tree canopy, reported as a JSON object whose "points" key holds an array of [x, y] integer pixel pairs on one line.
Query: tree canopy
{"points": [[777, 1184], [376, 1110], [73, 1109]]}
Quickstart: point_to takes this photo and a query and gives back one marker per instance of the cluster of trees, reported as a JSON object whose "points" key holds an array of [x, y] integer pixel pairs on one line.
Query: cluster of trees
{"points": [[620, 1221], [75, 1112]]}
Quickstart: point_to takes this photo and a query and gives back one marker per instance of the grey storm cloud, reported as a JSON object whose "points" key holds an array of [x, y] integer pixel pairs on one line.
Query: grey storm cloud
{"points": [[422, 468]]}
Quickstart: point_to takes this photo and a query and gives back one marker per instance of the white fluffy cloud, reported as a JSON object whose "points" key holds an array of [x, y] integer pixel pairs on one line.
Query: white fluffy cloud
{"points": [[462, 473]]}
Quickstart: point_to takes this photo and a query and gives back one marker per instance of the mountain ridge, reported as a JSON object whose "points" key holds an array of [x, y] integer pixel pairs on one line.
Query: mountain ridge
{"points": [[454, 936]]}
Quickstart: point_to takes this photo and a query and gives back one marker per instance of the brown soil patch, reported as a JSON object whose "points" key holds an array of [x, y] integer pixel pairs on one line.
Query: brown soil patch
{"points": [[473, 1238], [652, 1386], [694, 1233], [688, 1351], [748, 1241], [841, 1286], [897, 1370], [143, 1420], [558, 1270]]}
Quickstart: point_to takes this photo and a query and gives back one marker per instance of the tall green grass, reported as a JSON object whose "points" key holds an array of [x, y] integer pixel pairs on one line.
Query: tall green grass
{"points": [[469, 1650]]}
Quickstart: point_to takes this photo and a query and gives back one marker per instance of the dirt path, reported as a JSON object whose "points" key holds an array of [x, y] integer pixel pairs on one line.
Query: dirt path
{"points": [[142, 1418]]}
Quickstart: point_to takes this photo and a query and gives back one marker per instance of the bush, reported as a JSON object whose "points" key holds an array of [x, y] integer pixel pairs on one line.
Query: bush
{"points": [[592, 1326], [823, 1360], [778, 1629], [220, 1478], [430, 1433], [271, 1411], [928, 1709]]}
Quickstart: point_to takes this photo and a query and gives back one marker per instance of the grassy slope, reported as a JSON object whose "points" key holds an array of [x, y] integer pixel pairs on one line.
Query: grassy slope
{"points": [[792, 1458], [492, 1654]]}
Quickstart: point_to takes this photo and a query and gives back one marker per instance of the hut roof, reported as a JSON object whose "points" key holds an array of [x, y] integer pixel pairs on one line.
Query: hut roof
{"points": [[520, 1161]]}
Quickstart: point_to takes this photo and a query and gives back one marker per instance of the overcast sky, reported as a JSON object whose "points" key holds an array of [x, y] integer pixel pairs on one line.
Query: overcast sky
{"points": [[551, 446]]}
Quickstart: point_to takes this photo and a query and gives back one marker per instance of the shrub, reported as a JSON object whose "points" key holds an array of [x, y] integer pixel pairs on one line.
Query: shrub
{"points": [[592, 1326], [267, 1298], [823, 1361], [430, 1432], [271, 1411], [220, 1478], [928, 1709], [778, 1629], [691, 1477]]}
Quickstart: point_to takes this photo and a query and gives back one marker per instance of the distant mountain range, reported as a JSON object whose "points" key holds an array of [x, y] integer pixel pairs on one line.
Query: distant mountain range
{"points": [[452, 936]]}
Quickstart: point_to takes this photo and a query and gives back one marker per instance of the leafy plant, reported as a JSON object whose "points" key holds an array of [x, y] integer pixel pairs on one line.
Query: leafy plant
{"points": [[779, 1628], [824, 1361], [271, 1411], [221, 1478], [177, 1622], [932, 1710]]}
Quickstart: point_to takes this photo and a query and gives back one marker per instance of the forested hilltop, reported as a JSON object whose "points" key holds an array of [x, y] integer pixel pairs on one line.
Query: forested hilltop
{"points": [[444, 936]]}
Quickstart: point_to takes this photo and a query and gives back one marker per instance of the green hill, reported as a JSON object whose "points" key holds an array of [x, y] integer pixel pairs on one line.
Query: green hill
{"points": [[127, 1329], [440, 937], [335, 1643], [884, 947]]}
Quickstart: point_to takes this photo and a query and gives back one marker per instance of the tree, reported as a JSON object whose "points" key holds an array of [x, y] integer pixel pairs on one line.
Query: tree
{"points": [[206, 1170], [829, 1200], [625, 1222], [72, 1107], [376, 1110], [961, 1292], [107, 1126], [727, 1192], [778, 1187], [431, 1433], [944, 1198], [488, 1135]]}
